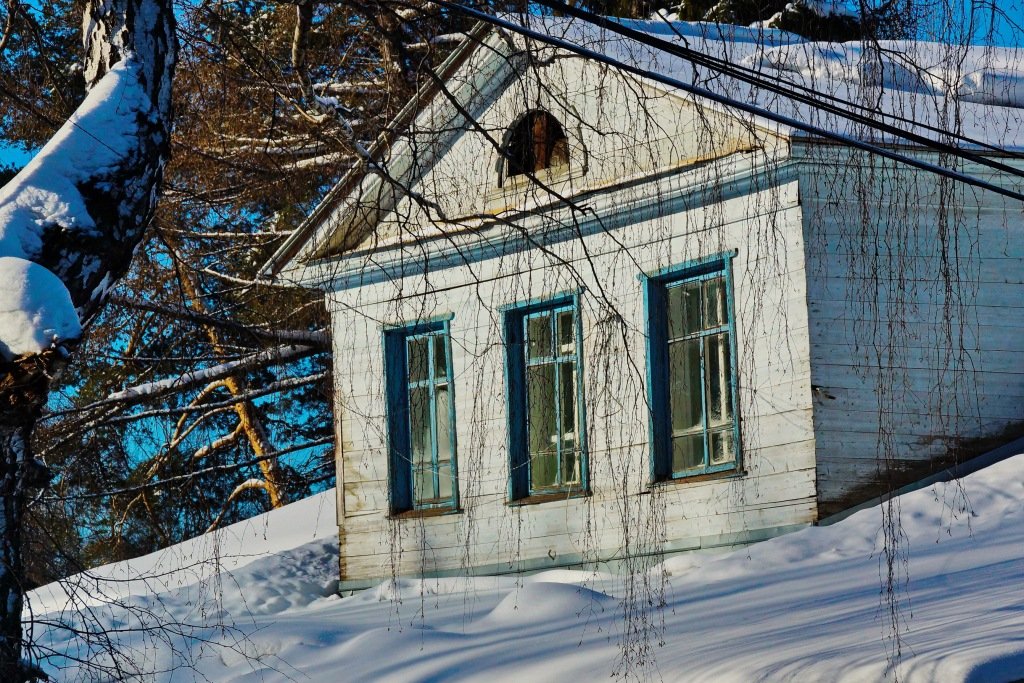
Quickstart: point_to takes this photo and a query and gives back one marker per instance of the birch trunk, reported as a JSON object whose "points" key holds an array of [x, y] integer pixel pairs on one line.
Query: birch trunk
{"points": [[113, 198]]}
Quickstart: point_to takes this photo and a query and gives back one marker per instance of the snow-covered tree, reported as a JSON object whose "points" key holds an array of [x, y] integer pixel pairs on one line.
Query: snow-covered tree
{"points": [[274, 103], [69, 224]]}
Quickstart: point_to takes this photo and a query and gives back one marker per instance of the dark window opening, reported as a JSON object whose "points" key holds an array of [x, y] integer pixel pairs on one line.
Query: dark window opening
{"points": [[537, 142]]}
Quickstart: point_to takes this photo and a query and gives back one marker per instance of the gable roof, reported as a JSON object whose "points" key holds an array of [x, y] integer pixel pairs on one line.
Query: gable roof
{"points": [[921, 88]]}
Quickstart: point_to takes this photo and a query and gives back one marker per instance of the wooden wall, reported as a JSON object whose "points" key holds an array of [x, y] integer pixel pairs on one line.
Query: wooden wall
{"points": [[625, 514], [655, 182], [916, 306]]}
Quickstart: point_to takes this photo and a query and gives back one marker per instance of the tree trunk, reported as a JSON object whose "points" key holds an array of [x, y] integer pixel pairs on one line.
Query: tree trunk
{"points": [[23, 390], [105, 166], [13, 453], [248, 416]]}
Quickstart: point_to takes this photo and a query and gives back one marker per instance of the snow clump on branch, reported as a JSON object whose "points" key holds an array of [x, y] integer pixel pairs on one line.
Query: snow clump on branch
{"points": [[35, 308], [46, 201]]}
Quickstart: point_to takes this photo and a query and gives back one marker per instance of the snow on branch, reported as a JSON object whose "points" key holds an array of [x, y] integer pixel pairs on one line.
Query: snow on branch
{"points": [[70, 220], [162, 387]]}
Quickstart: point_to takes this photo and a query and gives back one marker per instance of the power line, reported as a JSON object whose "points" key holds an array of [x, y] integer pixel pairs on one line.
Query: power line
{"points": [[814, 98], [733, 103], [840, 100]]}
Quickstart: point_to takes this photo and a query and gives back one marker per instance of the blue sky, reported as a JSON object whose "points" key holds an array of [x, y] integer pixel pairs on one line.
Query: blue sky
{"points": [[13, 155]]}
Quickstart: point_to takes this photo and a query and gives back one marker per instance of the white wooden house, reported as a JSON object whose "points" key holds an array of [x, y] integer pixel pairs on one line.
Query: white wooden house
{"points": [[580, 315]]}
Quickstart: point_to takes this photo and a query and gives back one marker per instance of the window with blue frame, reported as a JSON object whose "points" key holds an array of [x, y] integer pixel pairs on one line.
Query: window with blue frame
{"points": [[546, 425], [692, 370], [421, 417]]}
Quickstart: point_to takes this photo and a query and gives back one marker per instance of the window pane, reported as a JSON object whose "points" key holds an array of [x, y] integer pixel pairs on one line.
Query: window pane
{"points": [[417, 347], [570, 467], [543, 470], [684, 384], [419, 425], [687, 452], [541, 426], [683, 310], [422, 459], [440, 358], [423, 484], [444, 430], [567, 377], [538, 336], [566, 334], [540, 395], [444, 478], [721, 444], [718, 373], [714, 303]]}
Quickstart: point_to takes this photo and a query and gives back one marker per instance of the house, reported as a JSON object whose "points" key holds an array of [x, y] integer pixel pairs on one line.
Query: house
{"points": [[584, 315]]}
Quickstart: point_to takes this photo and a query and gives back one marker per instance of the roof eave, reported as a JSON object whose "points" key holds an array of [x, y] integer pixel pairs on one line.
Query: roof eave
{"points": [[291, 250]]}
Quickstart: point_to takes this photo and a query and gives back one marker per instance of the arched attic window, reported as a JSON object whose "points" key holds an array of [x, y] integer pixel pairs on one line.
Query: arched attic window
{"points": [[536, 142]]}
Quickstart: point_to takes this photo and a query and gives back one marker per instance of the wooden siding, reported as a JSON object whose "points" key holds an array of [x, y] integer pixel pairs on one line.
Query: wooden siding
{"points": [[915, 298], [618, 129], [624, 514]]}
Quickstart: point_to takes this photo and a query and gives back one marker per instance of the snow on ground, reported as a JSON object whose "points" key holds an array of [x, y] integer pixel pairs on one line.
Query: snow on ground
{"points": [[809, 606]]}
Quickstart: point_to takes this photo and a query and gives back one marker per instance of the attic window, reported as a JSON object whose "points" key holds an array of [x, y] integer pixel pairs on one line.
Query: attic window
{"points": [[537, 142]]}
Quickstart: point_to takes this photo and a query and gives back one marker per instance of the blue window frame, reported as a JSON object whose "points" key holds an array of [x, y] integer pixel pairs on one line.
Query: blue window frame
{"points": [[545, 399], [421, 417], [692, 370]]}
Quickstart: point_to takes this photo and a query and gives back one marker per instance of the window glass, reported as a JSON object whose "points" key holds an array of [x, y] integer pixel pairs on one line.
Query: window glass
{"points": [[551, 399], [421, 412], [538, 335], [418, 359], [541, 400], [440, 358], [695, 423]]}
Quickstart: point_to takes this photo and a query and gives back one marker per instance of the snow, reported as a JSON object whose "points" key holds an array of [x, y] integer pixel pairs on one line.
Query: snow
{"points": [[35, 307], [975, 90], [98, 136], [208, 374], [807, 606]]}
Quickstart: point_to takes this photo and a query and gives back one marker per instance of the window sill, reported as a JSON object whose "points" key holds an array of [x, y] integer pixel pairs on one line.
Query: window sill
{"points": [[696, 479], [540, 498], [422, 513]]}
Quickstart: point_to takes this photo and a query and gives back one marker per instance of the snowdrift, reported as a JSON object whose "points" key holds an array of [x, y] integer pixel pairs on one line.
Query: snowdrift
{"points": [[256, 602]]}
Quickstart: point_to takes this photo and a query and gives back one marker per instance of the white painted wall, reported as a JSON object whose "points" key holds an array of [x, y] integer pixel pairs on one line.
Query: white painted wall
{"points": [[916, 304], [852, 351], [775, 490]]}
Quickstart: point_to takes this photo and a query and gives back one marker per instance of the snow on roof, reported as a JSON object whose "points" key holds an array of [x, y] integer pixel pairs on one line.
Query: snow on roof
{"points": [[924, 88], [974, 91]]}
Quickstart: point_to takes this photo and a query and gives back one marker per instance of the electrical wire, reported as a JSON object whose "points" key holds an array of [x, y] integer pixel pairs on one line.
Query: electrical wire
{"points": [[733, 103], [753, 77]]}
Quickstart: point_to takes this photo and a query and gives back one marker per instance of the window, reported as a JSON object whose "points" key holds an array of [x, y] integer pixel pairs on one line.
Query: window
{"points": [[536, 142], [691, 363], [546, 424], [421, 417]]}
